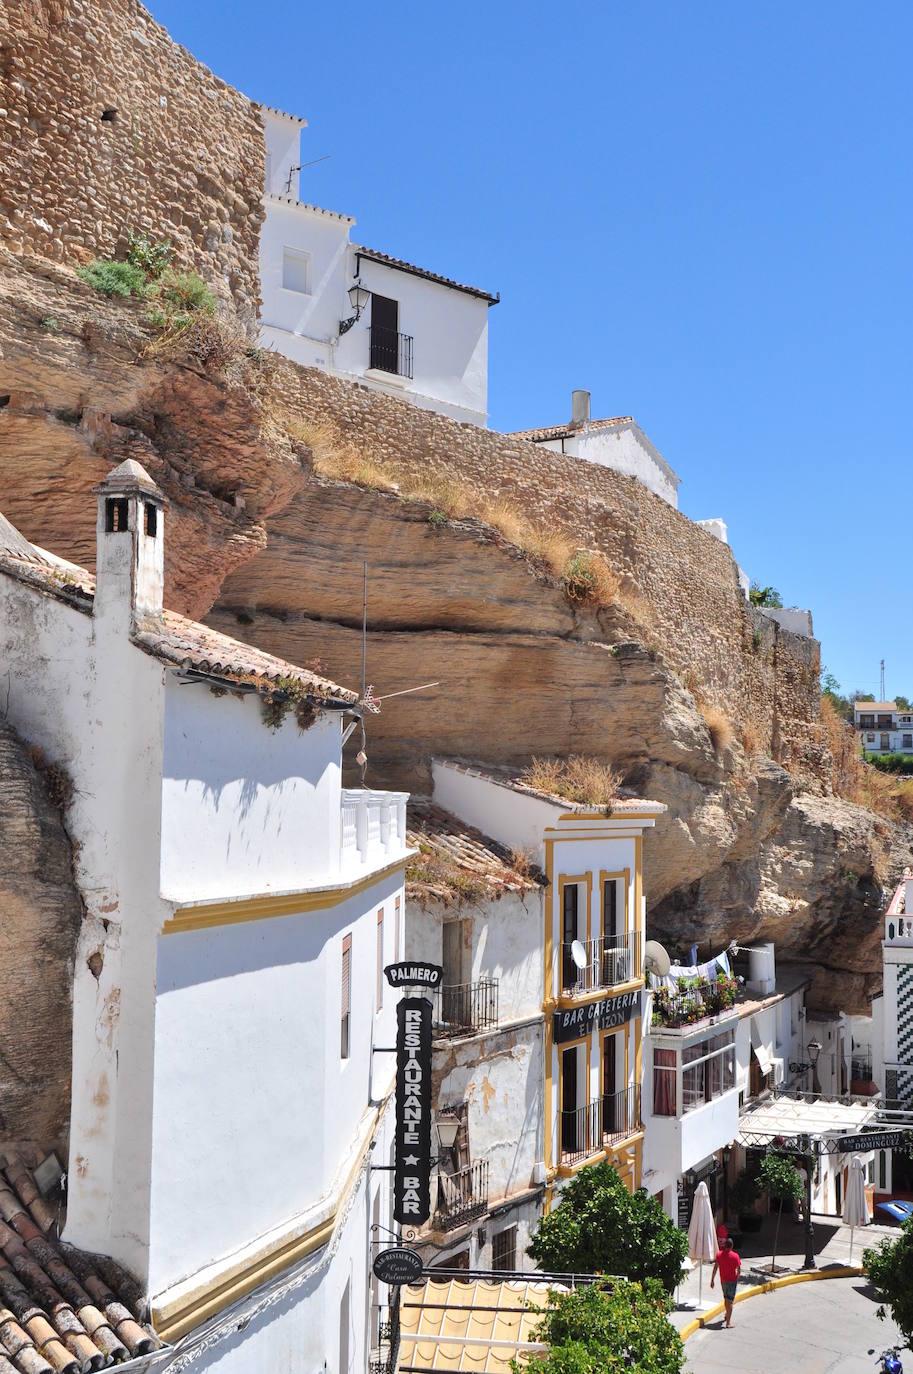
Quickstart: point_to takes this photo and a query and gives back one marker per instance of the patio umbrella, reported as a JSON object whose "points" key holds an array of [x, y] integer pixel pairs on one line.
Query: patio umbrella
{"points": [[855, 1209], [702, 1242]]}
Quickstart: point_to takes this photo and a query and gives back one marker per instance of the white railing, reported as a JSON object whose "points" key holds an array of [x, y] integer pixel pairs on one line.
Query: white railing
{"points": [[373, 825], [898, 930]]}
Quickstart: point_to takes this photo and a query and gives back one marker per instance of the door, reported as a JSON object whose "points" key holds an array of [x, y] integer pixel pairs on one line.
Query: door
{"points": [[568, 935], [452, 989], [612, 1106], [384, 333], [569, 1102], [614, 960]]}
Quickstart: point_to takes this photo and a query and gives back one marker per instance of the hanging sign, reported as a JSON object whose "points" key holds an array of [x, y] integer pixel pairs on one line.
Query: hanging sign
{"points": [[570, 1023], [412, 1167], [397, 1265], [877, 1140], [415, 975]]}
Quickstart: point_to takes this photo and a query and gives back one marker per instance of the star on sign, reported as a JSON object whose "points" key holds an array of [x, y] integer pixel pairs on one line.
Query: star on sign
{"points": [[411, 1159]]}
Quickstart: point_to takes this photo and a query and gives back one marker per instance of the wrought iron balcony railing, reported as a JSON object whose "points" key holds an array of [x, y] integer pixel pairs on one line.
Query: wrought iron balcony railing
{"points": [[391, 351], [604, 1121], [464, 1008], [461, 1196], [608, 962]]}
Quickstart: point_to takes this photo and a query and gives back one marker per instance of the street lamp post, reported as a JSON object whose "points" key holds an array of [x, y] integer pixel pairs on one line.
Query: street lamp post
{"points": [[808, 1159]]}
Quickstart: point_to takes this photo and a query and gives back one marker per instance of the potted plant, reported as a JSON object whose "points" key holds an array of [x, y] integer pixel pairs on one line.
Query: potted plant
{"points": [[743, 1194], [780, 1180]]}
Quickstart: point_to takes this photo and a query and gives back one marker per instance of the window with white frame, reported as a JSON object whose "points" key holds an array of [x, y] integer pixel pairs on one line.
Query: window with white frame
{"points": [[296, 271], [708, 1070]]}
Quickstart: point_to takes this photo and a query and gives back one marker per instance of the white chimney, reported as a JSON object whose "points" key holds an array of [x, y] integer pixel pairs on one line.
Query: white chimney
{"points": [[762, 971], [130, 541], [580, 407]]}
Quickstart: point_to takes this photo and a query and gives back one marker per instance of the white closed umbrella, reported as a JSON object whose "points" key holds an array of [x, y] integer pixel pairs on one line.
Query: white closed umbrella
{"points": [[702, 1243], [855, 1207]]}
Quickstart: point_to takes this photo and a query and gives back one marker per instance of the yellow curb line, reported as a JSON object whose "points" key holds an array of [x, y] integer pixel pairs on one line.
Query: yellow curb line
{"points": [[846, 1271]]}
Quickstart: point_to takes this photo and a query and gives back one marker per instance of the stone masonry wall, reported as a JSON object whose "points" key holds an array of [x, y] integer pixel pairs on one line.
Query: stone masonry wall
{"points": [[182, 157], [694, 612]]}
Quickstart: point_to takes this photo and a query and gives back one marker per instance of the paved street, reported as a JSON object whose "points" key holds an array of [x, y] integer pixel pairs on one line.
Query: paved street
{"points": [[810, 1328]]}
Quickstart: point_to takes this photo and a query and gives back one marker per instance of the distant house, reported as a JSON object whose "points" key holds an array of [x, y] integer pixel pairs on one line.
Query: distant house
{"points": [[618, 443], [360, 313], [883, 727]]}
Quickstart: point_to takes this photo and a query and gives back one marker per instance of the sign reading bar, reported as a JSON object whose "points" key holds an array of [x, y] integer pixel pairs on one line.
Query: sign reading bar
{"points": [[572, 1022], [877, 1140], [412, 1167], [397, 1265], [416, 975]]}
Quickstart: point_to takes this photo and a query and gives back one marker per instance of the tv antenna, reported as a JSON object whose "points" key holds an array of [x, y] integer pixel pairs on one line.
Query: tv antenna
{"points": [[300, 168], [882, 697]]}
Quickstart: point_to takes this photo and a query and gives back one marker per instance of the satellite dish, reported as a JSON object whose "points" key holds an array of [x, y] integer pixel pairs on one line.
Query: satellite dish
{"points": [[656, 959], [578, 953]]}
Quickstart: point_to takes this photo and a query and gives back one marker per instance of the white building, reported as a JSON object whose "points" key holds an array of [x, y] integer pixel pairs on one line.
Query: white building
{"points": [[359, 313], [617, 443], [711, 1050], [883, 727], [573, 960], [239, 906]]}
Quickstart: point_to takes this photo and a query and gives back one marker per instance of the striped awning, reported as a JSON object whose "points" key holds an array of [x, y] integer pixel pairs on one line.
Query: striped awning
{"points": [[449, 1326]]}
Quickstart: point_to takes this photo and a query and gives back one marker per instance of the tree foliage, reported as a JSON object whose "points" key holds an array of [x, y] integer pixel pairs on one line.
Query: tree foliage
{"points": [[598, 1331], [890, 1269], [765, 596], [600, 1227], [779, 1178]]}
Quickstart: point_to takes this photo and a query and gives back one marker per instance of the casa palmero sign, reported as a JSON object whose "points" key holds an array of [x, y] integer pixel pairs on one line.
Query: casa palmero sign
{"points": [[874, 1140], [571, 1022], [412, 1155], [414, 975], [397, 1265]]}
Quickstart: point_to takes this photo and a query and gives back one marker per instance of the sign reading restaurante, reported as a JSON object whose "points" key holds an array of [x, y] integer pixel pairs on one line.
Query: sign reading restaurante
{"points": [[412, 1167], [570, 1023]]}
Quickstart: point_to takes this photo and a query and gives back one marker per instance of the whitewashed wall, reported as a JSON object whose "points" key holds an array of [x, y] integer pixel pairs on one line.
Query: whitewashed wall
{"points": [[510, 817], [246, 809], [626, 449], [283, 151], [254, 1107], [305, 327]]}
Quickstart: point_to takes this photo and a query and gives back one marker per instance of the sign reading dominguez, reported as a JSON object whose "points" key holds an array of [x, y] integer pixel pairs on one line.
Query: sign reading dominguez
{"points": [[570, 1023], [876, 1140], [417, 975], [412, 1156]]}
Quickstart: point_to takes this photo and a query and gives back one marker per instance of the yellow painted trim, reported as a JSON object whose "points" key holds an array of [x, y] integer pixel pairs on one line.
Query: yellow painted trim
{"points": [[204, 915], [571, 880], [568, 1170], [548, 905], [845, 1271], [606, 876], [175, 1319], [606, 815], [580, 999]]}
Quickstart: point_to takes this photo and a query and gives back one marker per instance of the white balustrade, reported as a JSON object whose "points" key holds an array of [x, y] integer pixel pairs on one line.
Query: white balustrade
{"points": [[373, 826]]}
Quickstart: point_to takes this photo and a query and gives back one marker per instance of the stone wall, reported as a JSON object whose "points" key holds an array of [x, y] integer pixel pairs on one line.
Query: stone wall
{"points": [[180, 156], [684, 580]]}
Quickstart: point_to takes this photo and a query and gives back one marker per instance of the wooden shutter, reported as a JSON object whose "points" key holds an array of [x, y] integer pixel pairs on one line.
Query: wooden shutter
{"points": [[346, 974], [380, 957]]}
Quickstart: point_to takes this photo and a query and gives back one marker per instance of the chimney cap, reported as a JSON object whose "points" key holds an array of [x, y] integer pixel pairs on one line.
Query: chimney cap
{"points": [[580, 407], [129, 476]]}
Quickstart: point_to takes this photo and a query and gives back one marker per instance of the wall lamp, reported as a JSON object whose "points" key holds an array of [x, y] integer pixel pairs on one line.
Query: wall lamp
{"points": [[812, 1049], [358, 299]]}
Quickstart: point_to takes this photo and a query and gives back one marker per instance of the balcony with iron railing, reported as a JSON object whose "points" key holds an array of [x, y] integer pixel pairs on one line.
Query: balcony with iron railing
{"points": [[461, 1196], [391, 351], [607, 963], [373, 827], [604, 1122], [694, 1002], [465, 1008]]}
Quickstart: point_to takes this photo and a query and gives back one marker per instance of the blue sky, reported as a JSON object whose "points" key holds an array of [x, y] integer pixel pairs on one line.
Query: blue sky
{"points": [[701, 212]]}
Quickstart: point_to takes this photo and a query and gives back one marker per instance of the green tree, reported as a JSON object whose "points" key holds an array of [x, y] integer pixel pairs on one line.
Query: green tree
{"points": [[779, 1178], [890, 1269], [608, 1331], [903, 704], [600, 1227], [764, 596]]}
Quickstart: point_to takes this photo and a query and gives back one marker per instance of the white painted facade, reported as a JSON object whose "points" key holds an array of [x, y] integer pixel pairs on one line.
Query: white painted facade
{"points": [[307, 266], [593, 1012], [883, 727], [791, 618], [220, 1139]]}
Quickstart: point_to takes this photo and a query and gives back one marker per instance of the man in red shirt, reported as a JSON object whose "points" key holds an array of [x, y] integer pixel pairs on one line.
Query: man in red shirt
{"points": [[729, 1264]]}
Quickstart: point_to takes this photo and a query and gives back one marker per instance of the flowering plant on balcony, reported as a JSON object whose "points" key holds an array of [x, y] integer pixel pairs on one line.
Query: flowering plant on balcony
{"points": [[694, 1000]]}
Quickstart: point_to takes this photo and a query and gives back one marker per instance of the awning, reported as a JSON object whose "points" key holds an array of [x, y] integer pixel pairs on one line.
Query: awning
{"points": [[793, 1116], [765, 1063], [474, 1325]]}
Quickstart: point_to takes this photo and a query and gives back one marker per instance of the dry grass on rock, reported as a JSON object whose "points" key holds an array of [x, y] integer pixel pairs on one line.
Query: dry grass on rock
{"points": [[884, 793], [586, 781], [718, 725]]}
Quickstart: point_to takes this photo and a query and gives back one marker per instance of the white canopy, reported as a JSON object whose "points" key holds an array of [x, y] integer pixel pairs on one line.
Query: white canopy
{"points": [[791, 1116]]}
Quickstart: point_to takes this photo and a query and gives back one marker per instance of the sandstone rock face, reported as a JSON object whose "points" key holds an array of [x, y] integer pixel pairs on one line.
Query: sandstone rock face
{"points": [[41, 918], [273, 554]]}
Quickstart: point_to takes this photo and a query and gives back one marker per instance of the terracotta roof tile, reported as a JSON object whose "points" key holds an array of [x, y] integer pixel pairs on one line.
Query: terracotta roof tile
{"points": [[567, 431], [445, 843], [61, 1310]]}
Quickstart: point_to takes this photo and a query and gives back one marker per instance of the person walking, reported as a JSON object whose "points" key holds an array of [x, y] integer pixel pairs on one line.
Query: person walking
{"points": [[730, 1266]]}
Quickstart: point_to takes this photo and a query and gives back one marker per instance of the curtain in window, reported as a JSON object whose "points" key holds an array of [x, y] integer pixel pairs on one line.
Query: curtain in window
{"points": [[663, 1082]]}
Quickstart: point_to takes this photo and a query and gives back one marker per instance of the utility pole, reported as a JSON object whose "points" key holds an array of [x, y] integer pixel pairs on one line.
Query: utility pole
{"points": [[882, 680]]}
